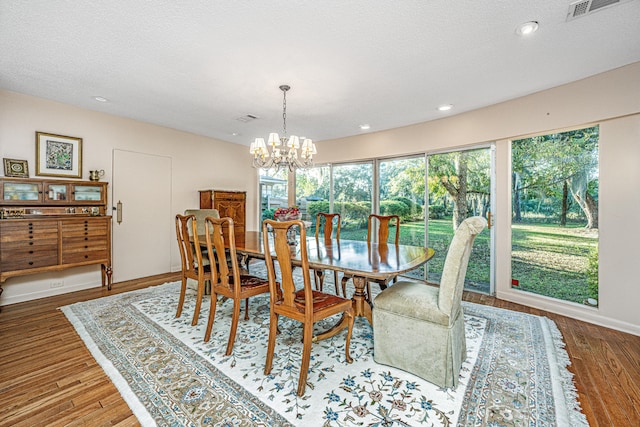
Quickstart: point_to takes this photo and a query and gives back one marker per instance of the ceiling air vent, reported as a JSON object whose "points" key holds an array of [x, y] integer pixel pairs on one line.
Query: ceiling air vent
{"points": [[247, 118], [578, 9]]}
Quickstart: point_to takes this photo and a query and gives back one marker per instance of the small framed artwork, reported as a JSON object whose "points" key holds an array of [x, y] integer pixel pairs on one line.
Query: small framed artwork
{"points": [[16, 168], [58, 155]]}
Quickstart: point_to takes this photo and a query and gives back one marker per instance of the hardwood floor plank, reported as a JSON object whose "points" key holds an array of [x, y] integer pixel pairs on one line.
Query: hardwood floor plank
{"points": [[585, 406], [35, 417], [588, 388], [607, 375], [48, 377], [127, 422]]}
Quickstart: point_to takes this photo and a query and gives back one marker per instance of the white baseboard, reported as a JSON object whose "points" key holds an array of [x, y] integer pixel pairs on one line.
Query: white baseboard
{"points": [[569, 309], [8, 300]]}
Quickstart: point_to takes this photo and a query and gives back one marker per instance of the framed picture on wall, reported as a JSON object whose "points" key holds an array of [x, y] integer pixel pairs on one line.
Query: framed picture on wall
{"points": [[16, 168], [58, 155]]}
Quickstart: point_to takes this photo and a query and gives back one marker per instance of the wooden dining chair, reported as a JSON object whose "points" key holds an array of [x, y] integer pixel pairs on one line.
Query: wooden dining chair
{"points": [[325, 222], [192, 263], [383, 224], [305, 305], [226, 278]]}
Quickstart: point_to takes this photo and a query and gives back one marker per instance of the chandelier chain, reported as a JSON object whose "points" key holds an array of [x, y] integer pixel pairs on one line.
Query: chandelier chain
{"points": [[284, 112]]}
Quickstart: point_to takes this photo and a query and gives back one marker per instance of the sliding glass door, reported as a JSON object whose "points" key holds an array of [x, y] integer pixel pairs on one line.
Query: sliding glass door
{"points": [[273, 191], [401, 189], [352, 197], [313, 192], [430, 193], [460, 186]]}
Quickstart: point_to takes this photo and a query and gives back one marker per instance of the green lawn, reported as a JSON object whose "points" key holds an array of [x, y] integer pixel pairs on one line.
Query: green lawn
{"points": [[546, 260], [552, 261]]}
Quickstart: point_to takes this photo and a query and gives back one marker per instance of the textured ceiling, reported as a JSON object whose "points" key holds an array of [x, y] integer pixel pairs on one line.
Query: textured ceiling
{"points": [[199, 65]]}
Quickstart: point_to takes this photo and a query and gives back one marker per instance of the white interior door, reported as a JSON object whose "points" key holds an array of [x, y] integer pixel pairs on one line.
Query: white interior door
{"points": [[142, 233]]}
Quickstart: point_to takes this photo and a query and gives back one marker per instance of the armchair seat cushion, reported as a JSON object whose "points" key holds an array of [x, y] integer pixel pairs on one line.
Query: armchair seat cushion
{"points": [[413, 300]]}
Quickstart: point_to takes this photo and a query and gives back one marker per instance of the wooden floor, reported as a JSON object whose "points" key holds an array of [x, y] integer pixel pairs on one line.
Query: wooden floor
{"points": [[48, 377]]}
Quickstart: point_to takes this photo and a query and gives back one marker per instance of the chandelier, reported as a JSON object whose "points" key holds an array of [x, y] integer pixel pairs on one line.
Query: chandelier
{"points": [[284, 151]]}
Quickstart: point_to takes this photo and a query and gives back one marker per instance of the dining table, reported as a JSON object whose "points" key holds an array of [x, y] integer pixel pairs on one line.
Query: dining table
{"points": [[379, 262]]}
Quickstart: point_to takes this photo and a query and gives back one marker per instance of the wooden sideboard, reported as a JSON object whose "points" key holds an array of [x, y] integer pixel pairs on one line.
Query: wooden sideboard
{"points": [[51, 225], [230, 204]]}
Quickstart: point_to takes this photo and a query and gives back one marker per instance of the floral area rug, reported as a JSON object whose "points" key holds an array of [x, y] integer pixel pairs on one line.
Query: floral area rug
{"points": [[515, 373]]}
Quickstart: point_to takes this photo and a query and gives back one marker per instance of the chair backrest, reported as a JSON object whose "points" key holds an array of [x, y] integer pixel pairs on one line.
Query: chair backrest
{"points": [[325, 221], [455, 265], [383, 227], [190, 253], [200, 215], [221, 249], [279, 247]]}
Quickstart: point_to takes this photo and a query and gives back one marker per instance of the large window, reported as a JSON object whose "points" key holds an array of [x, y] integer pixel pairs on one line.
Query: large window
{"points": [[555, 215]]}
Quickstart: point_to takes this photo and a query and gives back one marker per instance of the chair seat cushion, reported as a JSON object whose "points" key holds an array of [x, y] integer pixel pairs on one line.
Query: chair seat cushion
{"points": [[414, 300], [320, 300], [249, 281]]}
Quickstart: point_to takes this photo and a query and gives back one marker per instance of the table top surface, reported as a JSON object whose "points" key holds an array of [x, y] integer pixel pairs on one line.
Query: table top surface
{"points": [[374, 261]]}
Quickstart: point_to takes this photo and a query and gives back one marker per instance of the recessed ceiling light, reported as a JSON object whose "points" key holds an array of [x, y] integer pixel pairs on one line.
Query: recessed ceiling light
{"points": [[527, 28], [235, 134], [445, 107], [100, 99], [365, 127]]}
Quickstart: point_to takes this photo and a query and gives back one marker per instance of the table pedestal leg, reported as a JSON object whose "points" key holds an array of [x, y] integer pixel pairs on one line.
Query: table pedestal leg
{"points": [[361, 307]]}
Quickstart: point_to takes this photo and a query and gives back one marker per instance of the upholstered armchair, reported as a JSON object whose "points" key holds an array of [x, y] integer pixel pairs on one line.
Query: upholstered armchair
{"points": [[200, 215], [420, 328]]}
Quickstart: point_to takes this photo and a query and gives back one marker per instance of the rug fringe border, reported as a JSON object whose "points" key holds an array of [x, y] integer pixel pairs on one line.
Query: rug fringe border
{"points": [[130, 398], [568, 410]]}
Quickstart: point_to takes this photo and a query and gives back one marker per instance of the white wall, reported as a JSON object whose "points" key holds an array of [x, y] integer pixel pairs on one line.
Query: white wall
{"points": [[610, 99], [198, 163]]}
